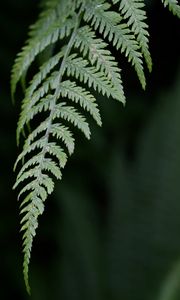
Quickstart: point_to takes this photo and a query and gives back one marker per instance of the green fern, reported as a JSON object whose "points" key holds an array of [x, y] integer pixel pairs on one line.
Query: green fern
{"points": [[63, 88], [173, 6], [112, 26], [133, 11]]}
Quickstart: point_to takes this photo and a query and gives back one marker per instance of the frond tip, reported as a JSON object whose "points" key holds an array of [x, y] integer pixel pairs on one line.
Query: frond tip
{"points": [[133, 11]]}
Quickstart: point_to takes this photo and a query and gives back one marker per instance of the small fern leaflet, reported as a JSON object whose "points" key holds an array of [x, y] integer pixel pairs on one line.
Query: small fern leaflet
{"points": [[133, 11], [173, 6]]}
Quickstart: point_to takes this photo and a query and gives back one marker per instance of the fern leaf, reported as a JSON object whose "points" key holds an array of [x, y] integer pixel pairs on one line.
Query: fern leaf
{"points": [[58, 152], [31, 162], [35, 208], [45, 69], [39, 144], [41, 128], [173, 6], [108, 23], [70, 114], [35, 46], [48, 183], [30, 112], [51, 166], [63, 133], [87, 42], [80, 95], [52, 24], [133, 11], [25, 175], [61, 90], [31, 186], [78, 67]]}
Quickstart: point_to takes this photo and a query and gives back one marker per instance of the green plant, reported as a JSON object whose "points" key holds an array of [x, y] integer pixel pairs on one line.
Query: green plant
{"points": [[72, 39]]}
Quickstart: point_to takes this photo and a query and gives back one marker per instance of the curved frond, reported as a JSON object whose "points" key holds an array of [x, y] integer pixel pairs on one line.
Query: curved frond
{"points": [[112, 26], [133, 11], [61, 94]]}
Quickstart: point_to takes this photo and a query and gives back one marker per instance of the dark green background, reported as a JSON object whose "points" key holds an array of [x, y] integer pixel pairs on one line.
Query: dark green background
{"points": [[111, 230]]}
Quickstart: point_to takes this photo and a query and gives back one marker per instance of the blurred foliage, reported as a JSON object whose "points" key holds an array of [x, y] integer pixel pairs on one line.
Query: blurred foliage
{"points": [[111, 230], [171, 289]]}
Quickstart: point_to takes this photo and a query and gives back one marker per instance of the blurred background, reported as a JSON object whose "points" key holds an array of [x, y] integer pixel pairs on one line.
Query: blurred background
{"points": [[111, 229]]}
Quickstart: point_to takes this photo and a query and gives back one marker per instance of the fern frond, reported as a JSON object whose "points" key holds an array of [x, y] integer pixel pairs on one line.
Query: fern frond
{"points": [[45, 69], [57, 152], [62, 90], [34, 46], [51, 166], [78, 67], [30, 163], [30, 111], [39, 144], [70, 114], [63, 133], [109, 23], [133, 11], [173, 6], [87, 42], [59, 131], [84, 98]]}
